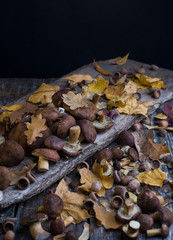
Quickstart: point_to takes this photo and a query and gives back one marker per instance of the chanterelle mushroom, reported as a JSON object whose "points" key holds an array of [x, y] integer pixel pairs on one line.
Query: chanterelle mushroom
{"points": [[34, 223], [5, 177], [45, 155], [11, 153], [103, 123]]}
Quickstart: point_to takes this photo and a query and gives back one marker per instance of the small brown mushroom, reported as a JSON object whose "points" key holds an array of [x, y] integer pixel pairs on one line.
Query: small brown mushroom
{"points": [[126, 179], [54, 142], [5, 177], [165, 215], [137, 126], [115, 77], [57, 226], [53, 205], [105, 153], [117, 153], [117, 165], [88, 130], [141, 70], [163, 123], [154, 67], [10, 235], [122, 192], [70, 235], [126, 138], [64, 126], [156, 93], [23, 183], [133, 172], [49, 113], [133, 154], [144, 167], [99, 105], [117, 177], [56, 98], [133, 185], [131, 230], [103, 123], [146, 222], [146, 121], [9, 225], [96, 187], [164, 232]]}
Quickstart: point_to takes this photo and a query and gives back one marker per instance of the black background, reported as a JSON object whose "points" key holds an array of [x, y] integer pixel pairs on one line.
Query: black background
{"points": [[48, 38]]}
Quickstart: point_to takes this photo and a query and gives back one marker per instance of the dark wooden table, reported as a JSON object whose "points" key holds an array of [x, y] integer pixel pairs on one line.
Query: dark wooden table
{"points": [[13, 89]]}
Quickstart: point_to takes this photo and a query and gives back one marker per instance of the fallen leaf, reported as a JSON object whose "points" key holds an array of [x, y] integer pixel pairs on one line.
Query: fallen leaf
{"points": [[119, 61], [106, 218], [101, 70], [157, 127], [167, 110], [153, 178], [7, 111], [73, 203], [132, 106], [121, 80], [77, 78], [43, 94], [161, 116], [149, 103], [147, 148], [144, 81], [106, 205], [98, 86], [17, 174], [86, 232], [74, 101], [130, 88], [35, 128], [112, 92]]}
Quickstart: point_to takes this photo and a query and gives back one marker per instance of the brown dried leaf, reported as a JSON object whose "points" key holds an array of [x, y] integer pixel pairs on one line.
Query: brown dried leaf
{"points": [[101, 70], [7, 111], [35, 128], [77, 78], [107, 219], [119, 61], [147, 148], [121, 80], [113, 92], [73, 203], [74, 101], [157, 127]]}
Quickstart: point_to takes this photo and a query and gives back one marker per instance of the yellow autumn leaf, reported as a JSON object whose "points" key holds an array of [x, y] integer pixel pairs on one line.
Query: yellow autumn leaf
{"points": [[8, 111], [112, 92], [43, 94], [77, 78], [144, 81], [106, 218], [157, 127], [35, 128], [101, 70], [119, 61], [73, 203], [161, 116], [132, 106], [149, 103], [74, 101], [153, 178], [130, 88], [98, 86], [121, 80]]}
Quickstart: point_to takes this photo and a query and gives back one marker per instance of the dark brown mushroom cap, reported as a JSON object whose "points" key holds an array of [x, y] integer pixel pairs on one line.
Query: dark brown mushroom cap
{"points": [[64, 125], [89, 112], [33, 218], [70, 150], [53, 127], [117, 153], [57, 226], [126, 138], [5, 177], [53, 205], [11, 153], [146, 222], [166, 215], [54, 142], [56, 98], [46, 153], [49, 113], [17, 134], [105, 153], [88, 130], [104, 126]]}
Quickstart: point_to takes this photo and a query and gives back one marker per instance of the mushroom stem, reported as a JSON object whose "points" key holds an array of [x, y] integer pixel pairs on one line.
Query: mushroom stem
{"points": [[104, 164], [85, 91], [95, 99], [74, 134], [125, 162], [154, 232], [128, 206], [133, 226], [68, 221], [101, 116], [43, 164], [36, 228]]}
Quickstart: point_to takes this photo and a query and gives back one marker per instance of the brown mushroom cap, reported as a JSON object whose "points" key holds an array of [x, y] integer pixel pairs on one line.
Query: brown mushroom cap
{"points": [[103, 126], [49, 113], [12, 153], [166, 215], [53, 205], [56, 98], [64, 125], [117, 153], [54, 142], [33, 218], [57, 226], [146, 222], [105, 153], [88, 130], [126, 138], [70, 150], [5, 177], [88, 113], [47, 153]]}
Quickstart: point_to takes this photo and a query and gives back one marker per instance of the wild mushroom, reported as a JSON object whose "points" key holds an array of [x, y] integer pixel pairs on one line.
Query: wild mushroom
{"points": [[49, 113], [117, 177], [129, 212], [144, 167], [163, 231], [103, 123], [164, 215], [105, 153], [5, 177], [117, 202], [53, 205], [56, 98], [54, 142], [146, 222], [122, 192], [133, 154], [133, 172], [10, 235], [106, 166], [70, 235], [133, 185], [34, 222], [72, 146], [117, 153], [126, 179], [12, 153], [96, 187], [64, 126], [99, 105], [126, 138], [131, 230], [45, 155], [88, 131], [57, 226]]}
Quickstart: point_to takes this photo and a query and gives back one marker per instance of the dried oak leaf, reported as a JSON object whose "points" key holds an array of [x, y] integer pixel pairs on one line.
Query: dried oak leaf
{"points": [[147, 148], [144, 81], [73, 203], [17, 174], [119, 60], [161, 116], [153, 178], [98, 86], [35, 128], [121, 80], [7, 111], [26, 108], [77, 78], [113, 92], [101, 70], [43, 94], [157, 127], [106, 218], [130, 88], [86, 232], [74, 101]]}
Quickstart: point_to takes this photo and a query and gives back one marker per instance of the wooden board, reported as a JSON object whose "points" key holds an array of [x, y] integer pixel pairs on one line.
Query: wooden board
{"points": [[122, 122]]}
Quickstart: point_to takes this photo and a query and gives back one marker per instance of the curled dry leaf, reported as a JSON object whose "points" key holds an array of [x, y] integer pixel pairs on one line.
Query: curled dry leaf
{"points": [[121, 80], [7, 111], [74, 101], [130, 88], [113, 92], [86, 233], [107, 219], [147, 148], [144, 81], [106, 205], [77, 78], [161, 116], [101, 70], [35, 128], [43, 94], [153, 178], [149, 103], [119, 60], [73, 203], [98, 86], [157, 127]]}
